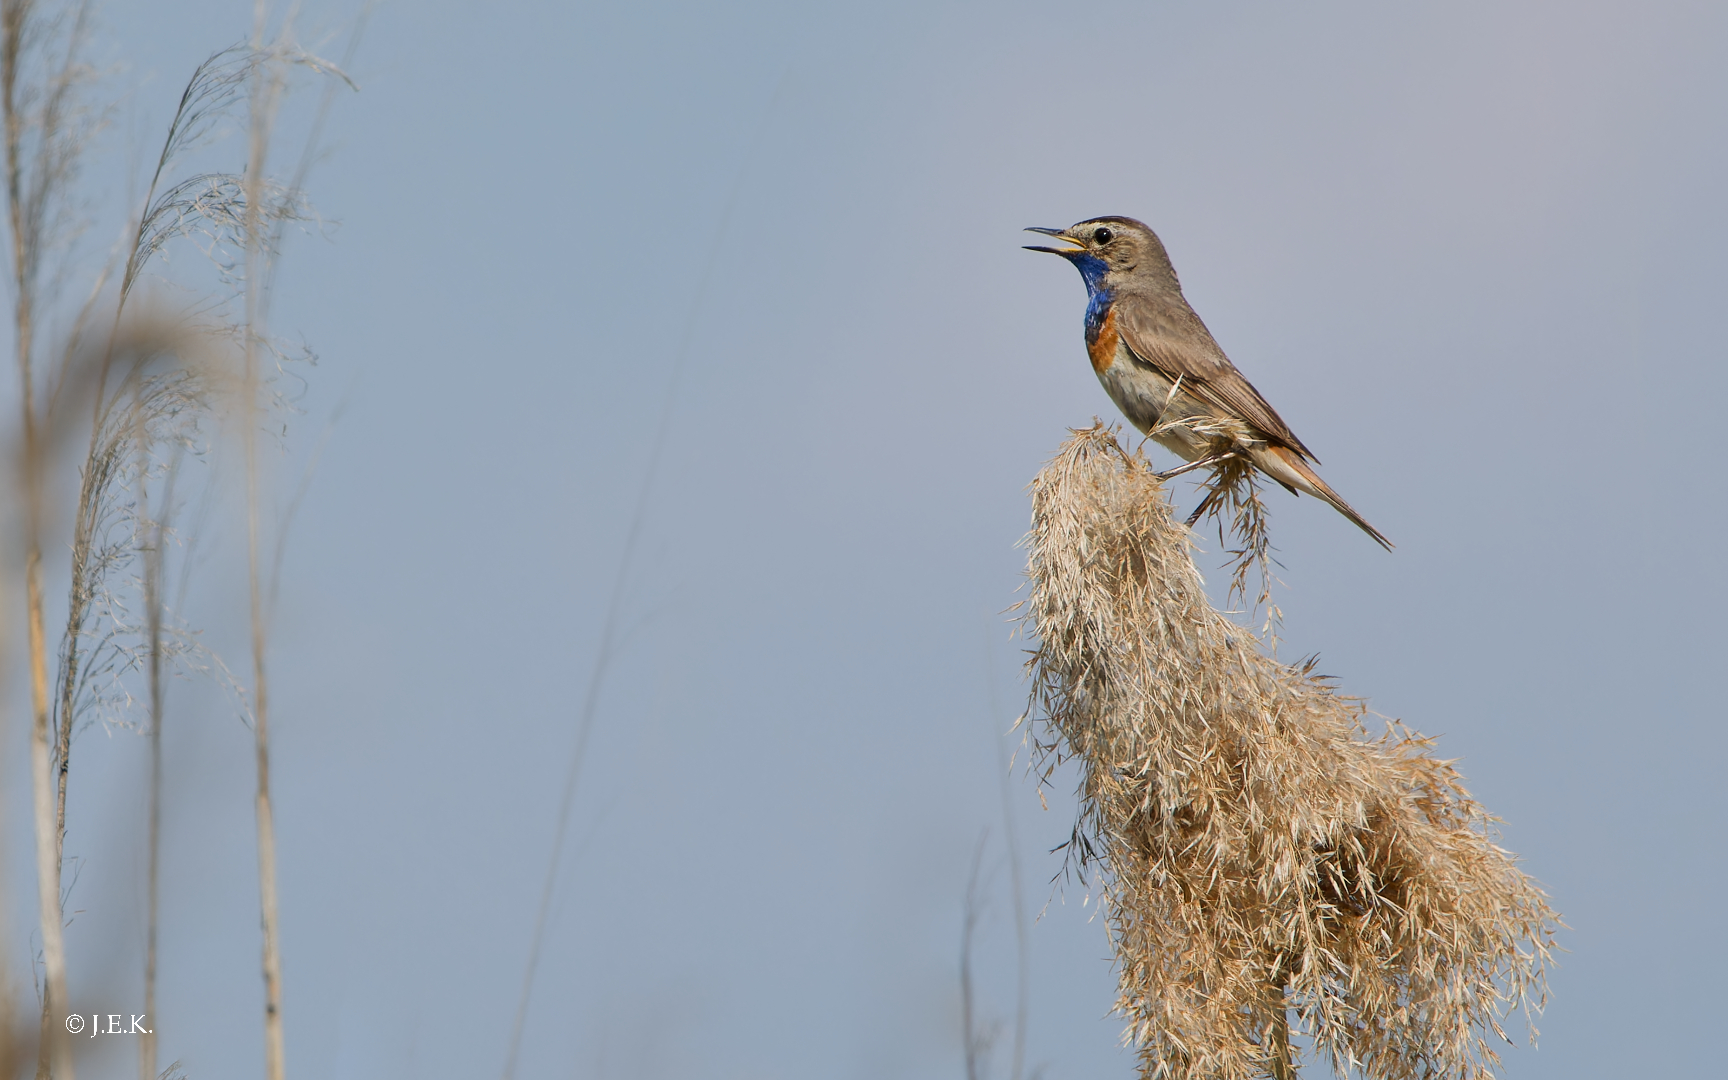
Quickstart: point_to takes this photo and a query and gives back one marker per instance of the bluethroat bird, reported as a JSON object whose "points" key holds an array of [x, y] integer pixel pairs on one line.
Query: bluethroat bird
{"points": [[1160, 366]]}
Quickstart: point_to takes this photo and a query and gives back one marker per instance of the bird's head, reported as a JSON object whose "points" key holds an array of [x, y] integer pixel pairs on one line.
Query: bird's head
{"points": [[1110, 246]]}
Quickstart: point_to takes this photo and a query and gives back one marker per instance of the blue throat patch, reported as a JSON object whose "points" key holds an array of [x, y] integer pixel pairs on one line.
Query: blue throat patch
{"points": [[1093, 269]]}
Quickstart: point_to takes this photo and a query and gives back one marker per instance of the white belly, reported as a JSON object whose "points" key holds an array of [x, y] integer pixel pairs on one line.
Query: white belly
{"points": [[1143, 394]]}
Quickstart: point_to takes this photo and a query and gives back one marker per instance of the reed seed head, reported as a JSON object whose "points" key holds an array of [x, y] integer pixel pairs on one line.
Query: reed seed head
{"points": [[1269, 867]]}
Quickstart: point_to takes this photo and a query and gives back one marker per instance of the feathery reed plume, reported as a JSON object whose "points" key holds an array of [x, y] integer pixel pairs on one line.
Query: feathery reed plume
{"points": [[146, 421], [149, 382], [158, 403], [153, 409], [1261, 852]]}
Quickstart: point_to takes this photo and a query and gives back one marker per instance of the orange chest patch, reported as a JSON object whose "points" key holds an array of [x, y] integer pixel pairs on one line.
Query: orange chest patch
{"points": [[1101, 346]]}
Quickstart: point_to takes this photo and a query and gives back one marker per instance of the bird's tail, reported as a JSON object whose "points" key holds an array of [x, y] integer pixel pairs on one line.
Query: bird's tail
{"points": [[1287, 467]]}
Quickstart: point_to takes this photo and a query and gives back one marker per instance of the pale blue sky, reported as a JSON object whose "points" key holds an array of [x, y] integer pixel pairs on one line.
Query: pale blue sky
{"points": [[1474, 253]]}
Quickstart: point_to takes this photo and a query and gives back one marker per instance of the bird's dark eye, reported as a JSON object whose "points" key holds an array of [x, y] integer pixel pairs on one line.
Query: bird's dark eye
{"points": [[1102, 236]]}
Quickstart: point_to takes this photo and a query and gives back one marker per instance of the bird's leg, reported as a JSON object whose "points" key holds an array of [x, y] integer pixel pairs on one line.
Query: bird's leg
{"points": [[1214, 492], [1205, 504]]}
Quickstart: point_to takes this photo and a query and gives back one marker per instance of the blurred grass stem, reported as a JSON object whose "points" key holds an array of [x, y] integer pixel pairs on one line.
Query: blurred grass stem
{"points": [[614, 606], [1022, 946], [977, 1040], [266, 89], [155, 566], [36, 169]]}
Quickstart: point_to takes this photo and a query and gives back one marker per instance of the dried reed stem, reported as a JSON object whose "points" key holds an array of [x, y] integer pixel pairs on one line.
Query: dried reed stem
{"points": [[56, 1053], [1261, 852], [266, 89], [154, 579], [976, 1038], [1022, 947], [34, 174]]}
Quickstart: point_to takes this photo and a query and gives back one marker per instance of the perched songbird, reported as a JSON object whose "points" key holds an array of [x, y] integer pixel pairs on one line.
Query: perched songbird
{"points": [[1161, 367]]}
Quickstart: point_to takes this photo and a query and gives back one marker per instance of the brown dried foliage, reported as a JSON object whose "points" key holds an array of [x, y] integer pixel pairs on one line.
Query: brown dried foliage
{"points": [[1269, 867]]}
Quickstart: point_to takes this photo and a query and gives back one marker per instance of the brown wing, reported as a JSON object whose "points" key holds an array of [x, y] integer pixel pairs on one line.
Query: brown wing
{"points": [[1168, 335]]}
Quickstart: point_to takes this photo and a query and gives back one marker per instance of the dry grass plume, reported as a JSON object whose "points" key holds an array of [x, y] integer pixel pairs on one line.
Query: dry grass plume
{"points": [[1270, 868]]}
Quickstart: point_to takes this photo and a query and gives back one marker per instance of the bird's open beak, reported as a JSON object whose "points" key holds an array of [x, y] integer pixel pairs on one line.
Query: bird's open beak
{"points": [[1060, 234]]}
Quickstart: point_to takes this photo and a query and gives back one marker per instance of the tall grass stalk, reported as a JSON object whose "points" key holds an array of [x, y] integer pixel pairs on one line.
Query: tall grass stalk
{"points": [[151, 382], [154, 579], [614, 606], [259, 209], [1010, 834], [1269, 868], [42, 143], [977, 1037], [1022, 944], [266, 91]]}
